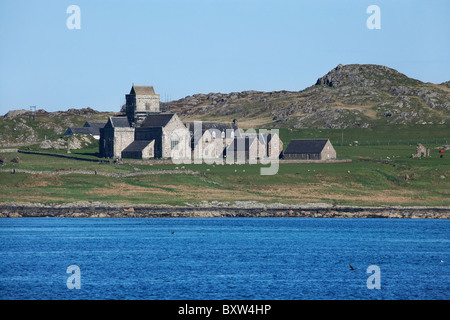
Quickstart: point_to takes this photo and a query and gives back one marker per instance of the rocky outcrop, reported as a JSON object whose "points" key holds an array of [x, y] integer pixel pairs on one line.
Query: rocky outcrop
{"points": [[348, 96]]}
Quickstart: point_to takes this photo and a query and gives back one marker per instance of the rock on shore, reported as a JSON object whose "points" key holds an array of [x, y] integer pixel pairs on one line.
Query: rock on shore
{"points": [[84, 210]]}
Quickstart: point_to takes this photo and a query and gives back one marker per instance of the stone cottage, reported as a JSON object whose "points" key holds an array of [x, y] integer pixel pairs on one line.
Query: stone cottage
{"points": [[310, 149], [89, 127]]}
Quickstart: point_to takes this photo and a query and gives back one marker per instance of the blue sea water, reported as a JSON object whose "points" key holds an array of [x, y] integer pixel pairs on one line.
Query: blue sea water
{"points": [[224, 258]]}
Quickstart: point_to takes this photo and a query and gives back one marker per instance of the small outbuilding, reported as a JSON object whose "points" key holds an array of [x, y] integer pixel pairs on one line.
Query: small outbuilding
{"points": [[90, 127], [140, 149], [310, 149]]}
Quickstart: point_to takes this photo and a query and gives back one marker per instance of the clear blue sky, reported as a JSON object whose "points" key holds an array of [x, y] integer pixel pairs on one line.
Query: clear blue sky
{"points": [[202, 46]]}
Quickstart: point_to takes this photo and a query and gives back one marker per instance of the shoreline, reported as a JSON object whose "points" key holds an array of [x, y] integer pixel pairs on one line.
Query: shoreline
{"points": [[86, 210]]}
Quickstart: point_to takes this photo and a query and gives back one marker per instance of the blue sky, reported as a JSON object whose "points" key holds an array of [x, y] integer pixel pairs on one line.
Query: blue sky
{"points": [[202, 46]]}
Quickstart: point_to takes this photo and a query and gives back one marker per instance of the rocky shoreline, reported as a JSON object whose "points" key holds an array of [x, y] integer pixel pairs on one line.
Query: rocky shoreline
{"points": [[85, 210]]}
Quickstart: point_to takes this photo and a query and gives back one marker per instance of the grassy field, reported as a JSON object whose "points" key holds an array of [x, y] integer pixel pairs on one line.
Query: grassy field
{"points": [[376, 176]]}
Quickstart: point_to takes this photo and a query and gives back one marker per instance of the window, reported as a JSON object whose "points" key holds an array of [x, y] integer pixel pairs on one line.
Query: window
{"points": [[174, 143]]}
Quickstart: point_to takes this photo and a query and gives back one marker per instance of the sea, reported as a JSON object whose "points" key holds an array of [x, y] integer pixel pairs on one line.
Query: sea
{"points": [[224, 259]]}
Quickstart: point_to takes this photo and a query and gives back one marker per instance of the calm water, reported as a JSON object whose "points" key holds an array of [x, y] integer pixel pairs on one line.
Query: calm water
{"points": [[224, 258]]}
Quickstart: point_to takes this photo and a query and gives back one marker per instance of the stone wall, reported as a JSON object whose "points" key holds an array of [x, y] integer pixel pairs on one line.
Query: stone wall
{"points": [[175, 129], [106, 142], [123, 137], [138, 106], [328, 152], [149, 151], [275, 144]]}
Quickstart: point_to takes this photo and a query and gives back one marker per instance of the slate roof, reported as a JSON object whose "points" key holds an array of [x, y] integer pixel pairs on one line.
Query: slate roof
{"points": [[157, 120], [137, 145], [95, 126], [306, 146], [142, 90], [120, 122], [213, 125], [79, 130]]}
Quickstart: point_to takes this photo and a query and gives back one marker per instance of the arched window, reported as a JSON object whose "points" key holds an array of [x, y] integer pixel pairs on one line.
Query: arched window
{"points": [[174, 141]]}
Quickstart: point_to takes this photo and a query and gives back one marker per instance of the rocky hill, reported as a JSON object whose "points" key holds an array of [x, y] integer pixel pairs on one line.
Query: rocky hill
{"points": [[24, 127], [347, 96]]}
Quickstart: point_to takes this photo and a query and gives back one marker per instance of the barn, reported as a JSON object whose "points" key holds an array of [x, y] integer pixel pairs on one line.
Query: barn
{"points": [[310, 149]]}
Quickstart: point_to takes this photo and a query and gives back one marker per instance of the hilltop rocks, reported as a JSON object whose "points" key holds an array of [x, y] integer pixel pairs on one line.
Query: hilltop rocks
{"points": [[348, 96], [15, 113]]}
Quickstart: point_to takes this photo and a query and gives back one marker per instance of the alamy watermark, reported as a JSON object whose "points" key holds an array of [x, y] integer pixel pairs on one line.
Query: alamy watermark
{"points": [[374, 20], [74, 20], [374, 280], [231, 146], [74, 280]]}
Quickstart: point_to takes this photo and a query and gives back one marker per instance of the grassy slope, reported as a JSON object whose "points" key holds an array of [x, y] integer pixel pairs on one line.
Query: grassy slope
{"points": [[356, 183]]}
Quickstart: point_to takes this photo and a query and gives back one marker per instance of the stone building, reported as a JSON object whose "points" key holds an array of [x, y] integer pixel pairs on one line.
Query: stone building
{"points": [[140, 102], [209, 139], [89, 127], [115, 136], [143, 132], [247, 147], [307, 149]]}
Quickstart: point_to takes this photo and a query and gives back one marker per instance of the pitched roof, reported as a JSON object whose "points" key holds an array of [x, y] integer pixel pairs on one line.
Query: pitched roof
{"points": [[79, 130], [137, 145], [213, 125], [306, 146], [119, 121], [142, 90], [157, 120], [95, 126]]}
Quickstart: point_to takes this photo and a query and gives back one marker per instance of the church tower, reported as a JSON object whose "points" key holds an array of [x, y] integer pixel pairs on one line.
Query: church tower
{"points": [[140, 102]]}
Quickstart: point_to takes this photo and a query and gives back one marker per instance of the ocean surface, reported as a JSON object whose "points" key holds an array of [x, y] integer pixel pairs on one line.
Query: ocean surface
{"points": [[224, 258]]}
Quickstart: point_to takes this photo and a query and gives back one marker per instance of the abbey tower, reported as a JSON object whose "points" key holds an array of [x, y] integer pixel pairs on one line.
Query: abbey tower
{"points": [[140, 102]]}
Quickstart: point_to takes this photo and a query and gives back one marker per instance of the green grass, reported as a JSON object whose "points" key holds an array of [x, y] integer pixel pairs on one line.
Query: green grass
{"points": [[376, 176], [377, 136]]}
